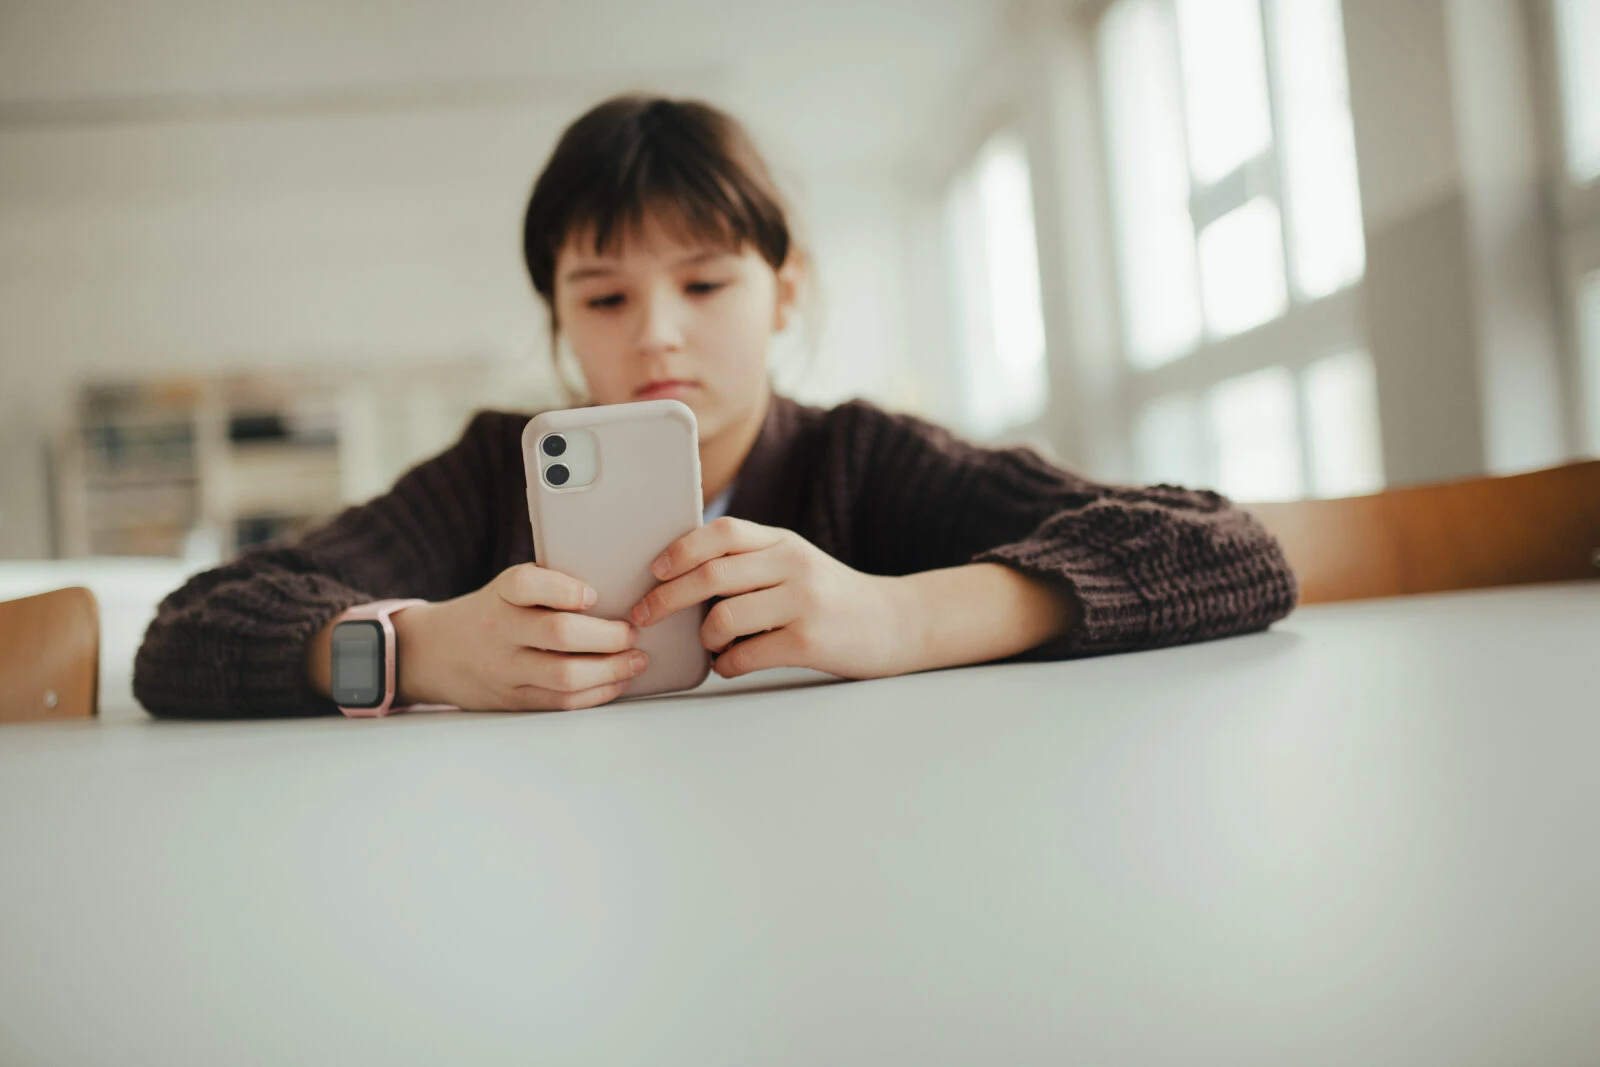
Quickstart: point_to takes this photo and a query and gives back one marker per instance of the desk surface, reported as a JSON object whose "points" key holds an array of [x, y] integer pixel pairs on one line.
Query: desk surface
{"points": [[1369, 836]]}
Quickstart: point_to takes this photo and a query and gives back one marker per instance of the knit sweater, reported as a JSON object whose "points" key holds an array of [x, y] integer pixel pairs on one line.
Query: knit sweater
{"points": [[884, 493]]}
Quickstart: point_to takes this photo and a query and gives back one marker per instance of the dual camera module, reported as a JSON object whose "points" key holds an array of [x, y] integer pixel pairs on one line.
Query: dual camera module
{"points": [[557, 473], [569, 460]]}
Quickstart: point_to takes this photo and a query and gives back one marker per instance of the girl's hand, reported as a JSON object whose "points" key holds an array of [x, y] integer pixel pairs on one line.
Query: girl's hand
{"points": [[803, 607], [517, 644]]}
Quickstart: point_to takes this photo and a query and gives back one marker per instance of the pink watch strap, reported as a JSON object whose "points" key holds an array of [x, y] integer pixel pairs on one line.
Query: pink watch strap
{"points": [[381, 611]]}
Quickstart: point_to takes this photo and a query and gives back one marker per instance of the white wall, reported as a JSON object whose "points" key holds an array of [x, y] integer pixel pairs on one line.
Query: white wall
{"points": [[144, 248], [365, 240]]}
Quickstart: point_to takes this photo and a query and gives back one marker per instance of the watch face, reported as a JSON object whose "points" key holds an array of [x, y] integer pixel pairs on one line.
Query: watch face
{"points": [[358, 680]]}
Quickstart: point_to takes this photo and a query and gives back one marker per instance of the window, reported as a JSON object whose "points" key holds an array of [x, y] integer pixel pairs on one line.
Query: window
{"points": [[1145, 153], [1341, 403], [1589, 319], [1578, 39], [989, 214], [1241, 268], [1257, 436], [1202, 172], [1245, 437], [1576, 24], [1225, 85], [1167, 438], [1237, 223], [1319, 151]]}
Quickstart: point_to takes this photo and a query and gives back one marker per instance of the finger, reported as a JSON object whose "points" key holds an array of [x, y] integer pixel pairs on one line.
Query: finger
{"points": [[567, 631], [565, 673], [721, 576], [780, 648], [532, 698], [740, 616], [528, 585], [719, 537]]}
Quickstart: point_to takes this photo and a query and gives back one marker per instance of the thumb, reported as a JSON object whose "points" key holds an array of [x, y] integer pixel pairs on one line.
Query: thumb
{"points": [[528, 585]]}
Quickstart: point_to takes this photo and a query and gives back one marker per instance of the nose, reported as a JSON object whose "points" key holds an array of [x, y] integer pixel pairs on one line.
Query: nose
{"points": [[660, 321]]}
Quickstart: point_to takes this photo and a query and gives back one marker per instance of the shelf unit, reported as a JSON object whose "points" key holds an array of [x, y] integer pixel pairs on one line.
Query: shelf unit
{"points": [[209, 466], [148, 466]]}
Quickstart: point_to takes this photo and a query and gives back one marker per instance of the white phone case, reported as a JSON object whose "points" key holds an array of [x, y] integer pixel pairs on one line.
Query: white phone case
{"points": [[645, 494]]}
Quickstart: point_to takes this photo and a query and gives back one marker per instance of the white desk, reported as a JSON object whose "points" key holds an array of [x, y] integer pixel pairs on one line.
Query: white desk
{"points": [[1370, 836]]}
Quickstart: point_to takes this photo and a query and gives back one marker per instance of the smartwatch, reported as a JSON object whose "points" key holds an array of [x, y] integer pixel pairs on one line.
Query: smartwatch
{"points": [[366, 658]]}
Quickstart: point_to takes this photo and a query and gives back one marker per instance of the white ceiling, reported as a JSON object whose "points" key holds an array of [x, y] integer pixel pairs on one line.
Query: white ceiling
{"points": [[840, 83]]}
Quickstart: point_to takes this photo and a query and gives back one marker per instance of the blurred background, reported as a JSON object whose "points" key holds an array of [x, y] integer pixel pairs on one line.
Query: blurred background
{"points": [[257, 259]]}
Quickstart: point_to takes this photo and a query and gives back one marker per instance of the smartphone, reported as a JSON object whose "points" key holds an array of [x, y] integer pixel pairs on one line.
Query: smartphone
{"points": [[609, 487]]}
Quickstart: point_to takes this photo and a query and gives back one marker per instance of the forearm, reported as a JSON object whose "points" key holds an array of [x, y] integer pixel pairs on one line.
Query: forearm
{"points": [[977, 613], [319, 660]]}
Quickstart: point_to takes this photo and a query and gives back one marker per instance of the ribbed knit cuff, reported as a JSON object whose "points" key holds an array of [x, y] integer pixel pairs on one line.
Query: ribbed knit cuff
{"points": [[272, 672], [1143, 580], [1112, 613]]}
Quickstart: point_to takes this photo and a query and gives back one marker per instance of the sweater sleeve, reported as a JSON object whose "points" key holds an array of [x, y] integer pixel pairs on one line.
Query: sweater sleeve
{"points": [[231, 642], [1147, 566]]}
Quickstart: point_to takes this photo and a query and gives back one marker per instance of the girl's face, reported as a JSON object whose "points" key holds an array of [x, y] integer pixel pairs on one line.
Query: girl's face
{"points": [[659, 318]]}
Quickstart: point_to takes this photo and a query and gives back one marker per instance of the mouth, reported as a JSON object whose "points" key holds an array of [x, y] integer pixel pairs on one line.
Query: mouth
{"points": [[674, 388]]}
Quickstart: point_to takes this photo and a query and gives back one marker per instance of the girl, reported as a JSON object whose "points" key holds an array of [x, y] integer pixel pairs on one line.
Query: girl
{"points": [[850, 540]]}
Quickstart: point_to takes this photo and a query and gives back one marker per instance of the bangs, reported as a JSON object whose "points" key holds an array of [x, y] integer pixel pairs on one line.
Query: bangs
{"points": [[607, 219]]}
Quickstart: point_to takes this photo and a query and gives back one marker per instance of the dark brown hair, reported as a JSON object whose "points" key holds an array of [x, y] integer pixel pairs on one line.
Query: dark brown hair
{"points": [[683, 163]]}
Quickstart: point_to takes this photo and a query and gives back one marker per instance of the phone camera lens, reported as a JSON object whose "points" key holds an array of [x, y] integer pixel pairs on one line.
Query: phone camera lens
{"points": [[557, 474], [555, 445]]}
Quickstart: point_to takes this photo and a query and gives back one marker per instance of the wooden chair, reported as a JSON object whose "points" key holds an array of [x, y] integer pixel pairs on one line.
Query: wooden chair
{"points": [[1538, 527], [50, 656]]}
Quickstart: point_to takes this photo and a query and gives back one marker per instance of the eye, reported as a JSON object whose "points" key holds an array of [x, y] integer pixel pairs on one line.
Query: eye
{"points": [[610, 300], [705, 288]]}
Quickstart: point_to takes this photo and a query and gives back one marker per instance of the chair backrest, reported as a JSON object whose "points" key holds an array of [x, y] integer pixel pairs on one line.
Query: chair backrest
{"points": [[50, 656], [1538, 527]]}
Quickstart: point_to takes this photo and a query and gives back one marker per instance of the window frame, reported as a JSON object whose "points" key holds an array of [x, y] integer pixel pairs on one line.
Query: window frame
{"points": [[1308, 330], [1003, 118], [1573, 217]]}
